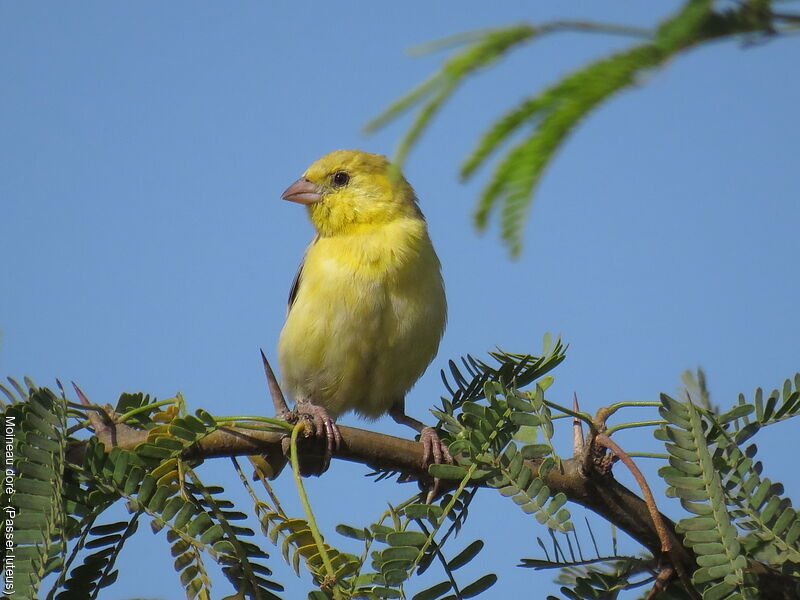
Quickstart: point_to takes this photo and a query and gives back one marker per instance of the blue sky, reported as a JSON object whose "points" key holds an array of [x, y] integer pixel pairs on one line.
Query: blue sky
{"points": [[144, 147]]}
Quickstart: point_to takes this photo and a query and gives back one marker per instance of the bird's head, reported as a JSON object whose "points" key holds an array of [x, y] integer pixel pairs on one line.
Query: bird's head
{"points": [[348, 190]]}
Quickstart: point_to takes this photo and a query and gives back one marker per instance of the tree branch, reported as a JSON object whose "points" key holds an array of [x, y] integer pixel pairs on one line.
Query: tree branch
{"points": [[597, 492], [604, 495]]}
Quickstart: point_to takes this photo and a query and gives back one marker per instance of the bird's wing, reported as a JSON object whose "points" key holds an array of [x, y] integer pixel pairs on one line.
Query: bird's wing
{"points": [[298, 276]]}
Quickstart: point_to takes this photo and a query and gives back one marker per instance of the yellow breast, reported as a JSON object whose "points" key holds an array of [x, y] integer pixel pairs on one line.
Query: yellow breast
{"points": [[367, 319]]}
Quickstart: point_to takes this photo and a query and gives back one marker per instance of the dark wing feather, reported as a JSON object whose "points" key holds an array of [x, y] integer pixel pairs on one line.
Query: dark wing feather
{"points": [[295, 286], [298, 276]]}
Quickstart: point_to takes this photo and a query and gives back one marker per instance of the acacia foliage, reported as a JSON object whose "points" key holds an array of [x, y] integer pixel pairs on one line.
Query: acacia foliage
{"points": [[528, 135], [498, 421]]}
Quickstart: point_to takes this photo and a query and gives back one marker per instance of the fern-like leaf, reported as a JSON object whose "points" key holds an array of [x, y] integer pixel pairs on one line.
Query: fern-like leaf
{"points": [[33, 502], [521, 369], [547, 118], [438, 89], [96, 571], [516, 481], [694, 479], [559, 111], [757, 506]]}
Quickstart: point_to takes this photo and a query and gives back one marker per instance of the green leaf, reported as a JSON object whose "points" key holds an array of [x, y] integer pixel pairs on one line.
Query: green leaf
{"points": [[534, 451], [406, 538], [466, 555], [433, 592], [402, 553], [385, 592], [352, 532], [479, 586], [526, 435], [525, 419], [444, 471], [423, 511]]}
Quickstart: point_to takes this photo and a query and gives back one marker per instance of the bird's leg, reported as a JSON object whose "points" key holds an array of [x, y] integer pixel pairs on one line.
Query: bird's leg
{"points": [[433, 448], [324, 427]]}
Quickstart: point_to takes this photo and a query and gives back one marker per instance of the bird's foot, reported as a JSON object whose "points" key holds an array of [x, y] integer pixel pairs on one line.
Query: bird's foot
{"points": [[434, 449], [324, 428]]}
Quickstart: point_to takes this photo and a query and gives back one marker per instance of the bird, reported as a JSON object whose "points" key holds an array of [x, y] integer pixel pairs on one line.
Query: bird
{"points": [[367, 308]]}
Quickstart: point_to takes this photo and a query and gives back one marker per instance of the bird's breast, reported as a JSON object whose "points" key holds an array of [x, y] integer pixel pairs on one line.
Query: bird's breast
{"points": [[368, 316]]}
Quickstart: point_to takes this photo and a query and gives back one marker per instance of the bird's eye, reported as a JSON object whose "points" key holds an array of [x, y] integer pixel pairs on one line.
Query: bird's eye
{"points": [[340, 178]]}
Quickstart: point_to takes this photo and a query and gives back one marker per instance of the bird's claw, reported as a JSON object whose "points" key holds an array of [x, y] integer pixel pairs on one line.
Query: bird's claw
{"points": [[324, 428], [290, 416], [433, 448]]}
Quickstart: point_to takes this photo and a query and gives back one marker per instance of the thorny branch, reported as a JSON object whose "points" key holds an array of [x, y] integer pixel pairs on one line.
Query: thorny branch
{"points": [[595, 489]]}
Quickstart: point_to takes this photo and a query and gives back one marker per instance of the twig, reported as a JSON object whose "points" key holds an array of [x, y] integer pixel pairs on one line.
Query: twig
{"points": [[559, 26], [442, 560], [664, 575], [603, 440], [658, 521], [312, 522]]}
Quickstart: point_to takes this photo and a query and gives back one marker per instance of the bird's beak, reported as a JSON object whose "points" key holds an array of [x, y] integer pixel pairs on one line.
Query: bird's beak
{"points": [[303, 191]]}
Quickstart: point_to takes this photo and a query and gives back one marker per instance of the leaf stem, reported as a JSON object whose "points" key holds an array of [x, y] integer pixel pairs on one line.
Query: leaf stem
{"points": [[143, 409], [595, 27], [446, 511], [241, 552], [661, 455], [437, 549], [78, 426], [237, 419], [617, 405], [569, 412], [559, 26], [312, 522], [653, 423]]}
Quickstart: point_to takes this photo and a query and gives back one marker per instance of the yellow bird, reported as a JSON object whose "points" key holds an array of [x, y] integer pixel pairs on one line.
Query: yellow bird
{"points": [[367, 308]]}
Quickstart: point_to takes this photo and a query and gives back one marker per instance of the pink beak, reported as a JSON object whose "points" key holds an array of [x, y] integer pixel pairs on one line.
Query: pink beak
{"points": [[303, 191]]}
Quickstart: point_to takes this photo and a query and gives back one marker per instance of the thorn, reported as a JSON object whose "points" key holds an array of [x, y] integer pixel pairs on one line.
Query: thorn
{"points": [[99, 419], [278, 400], [577, 429], [103, 420], [81, 395]]}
